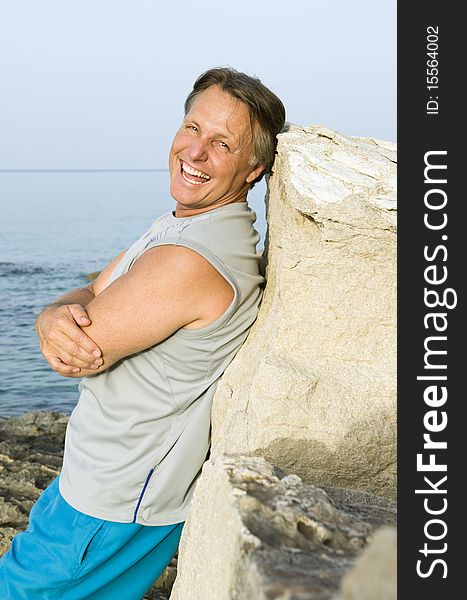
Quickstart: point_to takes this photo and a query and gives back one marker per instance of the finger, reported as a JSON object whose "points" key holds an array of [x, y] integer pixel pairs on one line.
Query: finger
{"points": [[77, 343], [57, 365], [66, 324], [79, 314], [71, 361], [70, 353]]}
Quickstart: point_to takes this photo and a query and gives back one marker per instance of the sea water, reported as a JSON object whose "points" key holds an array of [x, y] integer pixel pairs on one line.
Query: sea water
{"points": [[56, 228]]}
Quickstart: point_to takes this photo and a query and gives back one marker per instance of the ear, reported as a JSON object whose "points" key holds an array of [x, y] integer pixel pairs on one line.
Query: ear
{"points": [[254, 174]]}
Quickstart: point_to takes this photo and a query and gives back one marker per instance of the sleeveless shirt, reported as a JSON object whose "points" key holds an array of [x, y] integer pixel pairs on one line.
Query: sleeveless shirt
{"points": [[140, 432]]}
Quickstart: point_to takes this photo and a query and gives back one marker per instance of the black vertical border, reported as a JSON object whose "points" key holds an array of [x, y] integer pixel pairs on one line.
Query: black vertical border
{"points": [[418, 133]]}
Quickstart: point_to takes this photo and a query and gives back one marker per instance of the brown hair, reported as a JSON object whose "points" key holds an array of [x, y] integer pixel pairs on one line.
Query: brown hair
{"points": [[266, 110]]}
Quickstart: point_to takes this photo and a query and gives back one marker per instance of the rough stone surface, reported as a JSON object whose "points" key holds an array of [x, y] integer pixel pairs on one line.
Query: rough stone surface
{"points": [[256, 533], [31, 453], [374, 576], [313, 389]]}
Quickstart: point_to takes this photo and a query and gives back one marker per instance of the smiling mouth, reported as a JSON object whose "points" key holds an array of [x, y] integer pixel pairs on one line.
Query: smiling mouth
{"points": [[193, 175]]}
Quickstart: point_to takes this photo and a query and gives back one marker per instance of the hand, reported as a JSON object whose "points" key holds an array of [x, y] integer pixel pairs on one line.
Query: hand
{"points": [[63, 343]]}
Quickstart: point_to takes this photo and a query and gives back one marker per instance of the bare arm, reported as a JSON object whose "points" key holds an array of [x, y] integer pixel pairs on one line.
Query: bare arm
{"points": [[63, 343], [167, 288]]}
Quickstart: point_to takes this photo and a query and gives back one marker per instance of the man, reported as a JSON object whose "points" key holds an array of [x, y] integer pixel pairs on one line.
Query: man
{"points": [[150, 338]]}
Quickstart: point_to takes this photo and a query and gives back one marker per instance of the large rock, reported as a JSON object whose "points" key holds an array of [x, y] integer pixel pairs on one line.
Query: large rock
{"points": [[313, 389], [255, 533], [374, 576]]}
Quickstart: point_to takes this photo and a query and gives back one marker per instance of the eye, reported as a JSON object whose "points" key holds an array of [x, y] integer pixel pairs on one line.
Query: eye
{"points": [[192, 127], [223, 145]]}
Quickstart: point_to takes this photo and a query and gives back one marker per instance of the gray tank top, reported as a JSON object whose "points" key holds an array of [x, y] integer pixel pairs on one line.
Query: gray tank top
{"points": [[140, 433]]}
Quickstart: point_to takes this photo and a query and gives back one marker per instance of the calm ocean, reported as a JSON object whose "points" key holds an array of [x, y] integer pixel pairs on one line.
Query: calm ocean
{"points": [[56, 227]]}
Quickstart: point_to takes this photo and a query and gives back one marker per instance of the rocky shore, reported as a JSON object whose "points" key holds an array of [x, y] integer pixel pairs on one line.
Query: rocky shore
{"points": [[31, 453], [281, 537]]}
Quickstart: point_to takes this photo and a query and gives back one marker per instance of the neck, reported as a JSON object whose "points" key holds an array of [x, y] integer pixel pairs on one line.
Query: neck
{"points": [[186, 211]]}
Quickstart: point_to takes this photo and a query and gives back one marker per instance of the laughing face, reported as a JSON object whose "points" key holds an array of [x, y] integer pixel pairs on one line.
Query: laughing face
{"points": [[210, 158]]}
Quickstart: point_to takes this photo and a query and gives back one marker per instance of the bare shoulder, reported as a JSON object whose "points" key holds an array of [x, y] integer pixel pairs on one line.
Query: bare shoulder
{"points": [[190, 277], [180, 264]]}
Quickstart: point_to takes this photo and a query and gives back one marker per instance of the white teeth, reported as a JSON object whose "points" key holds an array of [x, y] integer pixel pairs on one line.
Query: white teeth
{"points": [[192, 181], [192, 171]]}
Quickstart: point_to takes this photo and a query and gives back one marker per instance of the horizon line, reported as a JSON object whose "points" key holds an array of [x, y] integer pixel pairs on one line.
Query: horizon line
{"points": [[83, 170]]}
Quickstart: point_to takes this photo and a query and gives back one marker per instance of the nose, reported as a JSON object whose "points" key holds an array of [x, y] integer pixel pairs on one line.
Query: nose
{"points": [[198, 150]]}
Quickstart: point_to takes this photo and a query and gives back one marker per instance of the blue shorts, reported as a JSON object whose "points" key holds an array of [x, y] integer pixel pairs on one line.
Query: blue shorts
{"points": [[67, 555]]}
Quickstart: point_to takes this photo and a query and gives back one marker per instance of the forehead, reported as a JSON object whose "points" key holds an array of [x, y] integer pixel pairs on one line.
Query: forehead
{"points": [[218, 110]]}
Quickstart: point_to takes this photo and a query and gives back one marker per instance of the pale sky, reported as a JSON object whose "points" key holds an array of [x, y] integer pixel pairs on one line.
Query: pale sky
{"points": [[101, 83]]}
